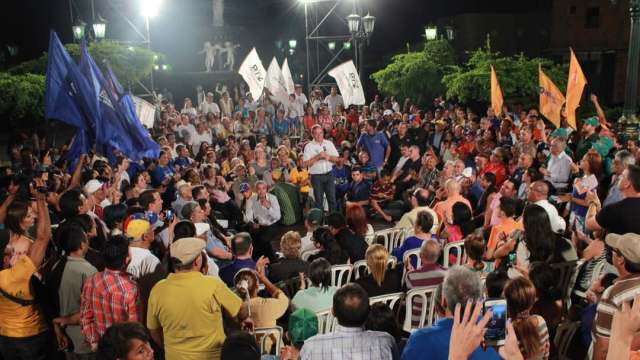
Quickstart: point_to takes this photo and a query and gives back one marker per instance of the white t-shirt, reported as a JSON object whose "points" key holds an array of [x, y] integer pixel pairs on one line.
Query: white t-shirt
{"points": [[300, 102], [212, 107], [321, 166], [143, 262]]}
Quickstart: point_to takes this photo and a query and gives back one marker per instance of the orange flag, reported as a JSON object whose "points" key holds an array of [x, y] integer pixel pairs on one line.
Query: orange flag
{"points": [[575, 86], [496, 93], [551, 99]]}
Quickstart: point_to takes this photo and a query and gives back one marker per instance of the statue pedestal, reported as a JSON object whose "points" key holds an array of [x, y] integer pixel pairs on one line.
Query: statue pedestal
{"points": [[627, 128]]}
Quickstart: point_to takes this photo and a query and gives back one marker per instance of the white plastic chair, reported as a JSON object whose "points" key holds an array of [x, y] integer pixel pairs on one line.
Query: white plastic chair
{"points": [[341, 274], [406, 258], [427, 303], [305, 254], [360, 269], [595, 275], [389, 299], [326, 322], [262, 334], [369, 238], [460, 255], [392, 237]]}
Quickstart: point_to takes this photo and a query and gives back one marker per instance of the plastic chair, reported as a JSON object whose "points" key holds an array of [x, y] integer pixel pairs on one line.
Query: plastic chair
{"points": [[389, 299], [262, 334], [392, 237], [341, 274], [459, 246], [427, 303], [326, 322], [360, 269]]}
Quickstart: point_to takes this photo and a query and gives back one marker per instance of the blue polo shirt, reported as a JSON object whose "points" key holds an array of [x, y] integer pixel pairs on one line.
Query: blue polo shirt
{"points": [[375, 145], [433, 343], [160, 173]]}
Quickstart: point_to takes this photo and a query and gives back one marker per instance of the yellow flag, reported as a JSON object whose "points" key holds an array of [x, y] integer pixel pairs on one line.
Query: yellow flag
{"points": [[496, 93], [551, 99], [575, 87]]}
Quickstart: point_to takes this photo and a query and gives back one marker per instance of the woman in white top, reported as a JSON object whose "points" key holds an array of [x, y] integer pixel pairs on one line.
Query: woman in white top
{"points": [[591, 166]]}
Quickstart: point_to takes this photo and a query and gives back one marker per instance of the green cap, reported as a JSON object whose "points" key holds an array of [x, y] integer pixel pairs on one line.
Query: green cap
{"points": [[560, 133], [314, 216], [603, 146], [593, 121], [303, 324]]}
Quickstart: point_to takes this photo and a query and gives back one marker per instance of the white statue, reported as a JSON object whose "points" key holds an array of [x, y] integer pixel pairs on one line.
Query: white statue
{"points": [[221, 88], [210, 55], [230, 50]]}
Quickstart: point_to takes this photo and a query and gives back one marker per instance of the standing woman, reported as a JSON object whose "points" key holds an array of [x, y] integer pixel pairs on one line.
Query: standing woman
{"points": [[591, 166]]}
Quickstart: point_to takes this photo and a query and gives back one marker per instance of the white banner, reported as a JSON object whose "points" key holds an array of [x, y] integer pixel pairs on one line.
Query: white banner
{"points": [[275, 82], [288, 79], [349, 84], [145, 111], [253, 73]]}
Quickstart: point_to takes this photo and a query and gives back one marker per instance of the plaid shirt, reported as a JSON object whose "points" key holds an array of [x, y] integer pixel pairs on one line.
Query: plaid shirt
{"points": [[108, 297], [347, 343]]}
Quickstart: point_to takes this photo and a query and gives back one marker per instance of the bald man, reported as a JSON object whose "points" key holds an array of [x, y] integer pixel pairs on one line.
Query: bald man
{"points": [[444, 208], [539, 195]]}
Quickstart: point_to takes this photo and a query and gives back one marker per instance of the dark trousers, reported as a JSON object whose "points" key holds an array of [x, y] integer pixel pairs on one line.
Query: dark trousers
{"points": [[231, 212], [324, 184], [37, 347]]}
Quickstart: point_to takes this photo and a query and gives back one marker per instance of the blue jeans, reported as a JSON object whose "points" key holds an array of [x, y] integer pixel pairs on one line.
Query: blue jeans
{"points": [[37, 347], [324, 184]]}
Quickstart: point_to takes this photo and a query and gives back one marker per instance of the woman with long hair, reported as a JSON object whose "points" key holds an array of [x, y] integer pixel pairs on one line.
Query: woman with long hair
{"points": [[357, 220], [318, 296], [381, 279], [474, 248], [531, 330], [591, 167]]}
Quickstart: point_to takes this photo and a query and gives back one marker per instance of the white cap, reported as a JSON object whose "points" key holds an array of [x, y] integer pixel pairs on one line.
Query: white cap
{"points": [[92, 186]]}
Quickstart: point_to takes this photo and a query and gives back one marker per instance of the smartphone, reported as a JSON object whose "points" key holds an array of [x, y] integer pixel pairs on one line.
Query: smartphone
{"points": [[496, 327], [169, 215]]}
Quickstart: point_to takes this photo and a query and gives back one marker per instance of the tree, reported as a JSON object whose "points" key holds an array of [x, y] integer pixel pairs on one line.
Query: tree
{"points": [[518, 77], [417, 75], [21, 97], [130, 64]]}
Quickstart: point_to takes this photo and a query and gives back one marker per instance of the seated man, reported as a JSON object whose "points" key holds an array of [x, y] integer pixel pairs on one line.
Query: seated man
{"points": [[242, 251], [355, 246], [428, 274], [460, 286], [351, 308], [358, 192], [262, 213], [382, 192]]}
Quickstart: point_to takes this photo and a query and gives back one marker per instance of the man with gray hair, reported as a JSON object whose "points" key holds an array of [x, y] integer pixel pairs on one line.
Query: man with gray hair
{"points": [[558, 168], [621, 161], [460, 286], [262, 213]]}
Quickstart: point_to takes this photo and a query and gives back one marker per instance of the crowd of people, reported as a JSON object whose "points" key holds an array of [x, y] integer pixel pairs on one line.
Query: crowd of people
{"points": [[237, 224]]}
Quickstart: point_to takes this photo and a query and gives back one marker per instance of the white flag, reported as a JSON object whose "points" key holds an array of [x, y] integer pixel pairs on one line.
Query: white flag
{"points": [[253, 73], [288, 79], [349, 84], [275, 82], [145, 111]]}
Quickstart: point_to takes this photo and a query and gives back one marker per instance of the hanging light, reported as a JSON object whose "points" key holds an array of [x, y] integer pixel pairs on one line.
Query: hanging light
{"points": [[78, 30], [100, 28], [332, 45], [293, 43], [353, 21], [430, 32], [368, 23], [346, 45]]}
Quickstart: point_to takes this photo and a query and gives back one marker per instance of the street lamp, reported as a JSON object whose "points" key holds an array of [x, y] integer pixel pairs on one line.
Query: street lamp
{"points": [[78, 30], [149, 8], [368, 23], [332, 45], [430, 32], [360, 35], [99, 28], [293, 43], [450, 33], [353, 21], [631, 83]]}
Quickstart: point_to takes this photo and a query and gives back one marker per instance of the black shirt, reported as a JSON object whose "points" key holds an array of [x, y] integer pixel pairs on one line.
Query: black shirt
{"points": [[352, 244], [286, 269], [390, 284], [396, 141], [621, 217]]}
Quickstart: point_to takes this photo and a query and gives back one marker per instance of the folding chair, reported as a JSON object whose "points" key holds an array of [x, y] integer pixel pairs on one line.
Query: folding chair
{"points": [[341, 274], [389, 299], [459, 246], [392, 237], [427, 303], [326, 322], [262, 334]]}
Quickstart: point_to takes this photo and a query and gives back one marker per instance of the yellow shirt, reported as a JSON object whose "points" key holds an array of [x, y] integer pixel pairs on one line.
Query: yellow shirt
{"points": [[188, 307], [265, 311], [299, 177], [17, 320]]}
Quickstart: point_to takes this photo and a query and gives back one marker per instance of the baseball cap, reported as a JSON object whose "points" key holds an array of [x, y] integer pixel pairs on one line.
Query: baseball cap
{"points": [[315, 216], [136, 228], [560, 132], [628, 245], [244, 187], [593, 121], [303, 324], [387, 112], [187, 249], [92, 186]]}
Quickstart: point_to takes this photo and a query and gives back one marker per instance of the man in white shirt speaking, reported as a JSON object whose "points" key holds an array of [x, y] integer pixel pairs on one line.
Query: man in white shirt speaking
{"points": [[320, 155]]}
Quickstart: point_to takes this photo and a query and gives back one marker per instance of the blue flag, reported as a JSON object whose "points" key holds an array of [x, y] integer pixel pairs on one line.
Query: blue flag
{"points": [[79, 145]]}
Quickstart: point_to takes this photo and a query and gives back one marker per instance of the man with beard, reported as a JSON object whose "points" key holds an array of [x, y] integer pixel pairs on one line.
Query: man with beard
{"points": [[589, 136]]}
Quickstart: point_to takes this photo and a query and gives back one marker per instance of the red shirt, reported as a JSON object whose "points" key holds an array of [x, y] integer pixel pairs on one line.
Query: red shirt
{"points": [[326, 121], [499, 170], [108, 297], [309, 121]]}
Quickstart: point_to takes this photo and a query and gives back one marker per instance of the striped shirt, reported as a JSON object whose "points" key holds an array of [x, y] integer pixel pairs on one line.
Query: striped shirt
{"points": [[543, 335], [427, 275], [624, 289], [348, 343], [108, 297]]}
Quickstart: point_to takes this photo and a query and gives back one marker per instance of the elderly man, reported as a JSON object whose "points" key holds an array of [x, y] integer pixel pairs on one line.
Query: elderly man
{"points": [[621, 161], [185, 195], [320, 155], [262, 212], [444, 208], [351, 308], [539, 195], [419, 202], [460, 286], [558, 168], [210, 106]]}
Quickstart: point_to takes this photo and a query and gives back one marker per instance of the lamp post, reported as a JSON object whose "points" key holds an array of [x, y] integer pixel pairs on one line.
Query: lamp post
{"points": [[149, 9], [78, 30], [430, 32], [99, 28], [293, 43], [360, 35], [628, 122]]}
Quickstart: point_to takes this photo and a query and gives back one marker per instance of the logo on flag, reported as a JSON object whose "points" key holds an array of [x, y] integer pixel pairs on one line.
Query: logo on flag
{"points": [[253, 73]]}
